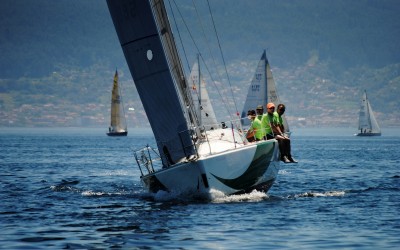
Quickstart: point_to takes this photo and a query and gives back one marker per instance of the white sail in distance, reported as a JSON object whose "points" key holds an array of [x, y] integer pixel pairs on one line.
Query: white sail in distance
{"points": [[118, 121], [201, 99], [262, 90], [367, 123]]}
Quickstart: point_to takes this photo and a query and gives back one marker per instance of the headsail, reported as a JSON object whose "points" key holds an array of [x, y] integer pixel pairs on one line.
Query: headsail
{"points": [[146, 39], [205, 111]]}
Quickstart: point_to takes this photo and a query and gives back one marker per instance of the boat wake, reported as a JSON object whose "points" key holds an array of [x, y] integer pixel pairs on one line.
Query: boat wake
{"points": [[319, 194], [101, 193], [70, 186], [214, 197], [254, 196]]}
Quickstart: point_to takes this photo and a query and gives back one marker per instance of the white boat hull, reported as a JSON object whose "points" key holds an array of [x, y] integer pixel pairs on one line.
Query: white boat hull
{"points": [[240, 170]]}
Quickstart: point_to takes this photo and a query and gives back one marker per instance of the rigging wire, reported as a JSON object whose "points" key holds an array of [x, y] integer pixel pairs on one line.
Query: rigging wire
{"points": [[224, 103], [179, 34], [198, 50], [223, 59], [181, 42], [188, 106]]}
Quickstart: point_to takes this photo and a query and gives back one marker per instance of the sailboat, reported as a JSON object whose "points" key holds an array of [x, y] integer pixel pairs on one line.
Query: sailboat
{"points": [[186, 160], [118, 122], [262, 90], [201, 99], [367, 123]]}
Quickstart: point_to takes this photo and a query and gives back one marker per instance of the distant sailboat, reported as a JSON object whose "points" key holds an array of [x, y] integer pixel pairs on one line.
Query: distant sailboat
{"points": [[262, 90], [201, 98], [188, 161], [367, 123], [118, 121]]}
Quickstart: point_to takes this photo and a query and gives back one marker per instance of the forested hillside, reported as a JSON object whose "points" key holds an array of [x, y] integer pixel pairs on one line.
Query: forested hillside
{"points": [[324, 54], [42, 36], [37, 36]]}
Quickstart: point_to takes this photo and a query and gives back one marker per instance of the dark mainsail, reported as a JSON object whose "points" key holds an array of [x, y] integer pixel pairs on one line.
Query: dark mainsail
{"points": [[150, 52]]}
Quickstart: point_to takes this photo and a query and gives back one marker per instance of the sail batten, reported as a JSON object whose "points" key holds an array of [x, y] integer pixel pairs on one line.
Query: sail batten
{"points": [[143, 38]]}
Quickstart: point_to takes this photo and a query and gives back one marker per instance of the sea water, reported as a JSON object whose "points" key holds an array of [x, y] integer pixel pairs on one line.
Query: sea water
{"points": [[76, 188]]}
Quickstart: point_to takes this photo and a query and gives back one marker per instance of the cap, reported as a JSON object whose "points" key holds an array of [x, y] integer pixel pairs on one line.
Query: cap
{"points": [[270, 105], [259, 107]]}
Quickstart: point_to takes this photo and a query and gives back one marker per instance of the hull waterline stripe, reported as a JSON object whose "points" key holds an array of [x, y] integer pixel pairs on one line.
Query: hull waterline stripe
{"points": [[257, 168]]}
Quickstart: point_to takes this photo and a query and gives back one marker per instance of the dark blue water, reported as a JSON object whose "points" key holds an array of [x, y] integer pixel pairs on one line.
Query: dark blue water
{"points": [[79, 189]]}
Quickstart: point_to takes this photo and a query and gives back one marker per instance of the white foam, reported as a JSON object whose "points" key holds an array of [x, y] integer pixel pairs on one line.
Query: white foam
{"points": [[92, 193], [324, 194], [283, 172], [115, 173], [254, 196]]}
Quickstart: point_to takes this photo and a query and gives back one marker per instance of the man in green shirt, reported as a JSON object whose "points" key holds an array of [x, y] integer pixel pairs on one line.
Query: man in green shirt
{"points": [[267, 121], [260, 114], [255, 127], [283, 140]]}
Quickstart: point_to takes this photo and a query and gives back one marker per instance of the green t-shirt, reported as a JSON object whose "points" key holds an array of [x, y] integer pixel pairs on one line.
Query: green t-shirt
{"points": [[266, 123], [256, 126]]}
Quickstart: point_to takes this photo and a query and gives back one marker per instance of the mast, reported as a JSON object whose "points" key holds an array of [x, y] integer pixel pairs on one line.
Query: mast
{"points": [[199, 82], [171, 52]]}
